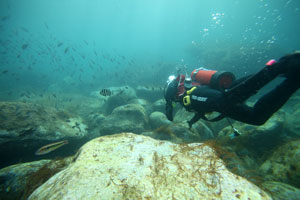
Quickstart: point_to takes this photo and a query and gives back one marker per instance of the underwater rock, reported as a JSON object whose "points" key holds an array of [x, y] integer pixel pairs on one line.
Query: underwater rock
{"points": [[120, 96], [284, 164], [18, 181], [259, 139], [150, 93], [144, 103], [23, 121], [181, 130], [182, 115], [210, 128], [159, 105], [129, 166], [13, 178], [175, 132], [205, 132], [293, 123], [178, 132], [83, 107], [280, 191], [94, 119], [158, 119], [130, 117]]}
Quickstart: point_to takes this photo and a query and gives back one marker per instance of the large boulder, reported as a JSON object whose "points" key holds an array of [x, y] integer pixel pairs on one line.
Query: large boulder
{"points": [[284, 164], [150, 93], [119, 96], [143, 102], [211, 129], [129, 166], [13, 178], [130, 117], [281, 191], [22, 121], [159, 105], [258, 139], [158, 119], [18, 181], [178, 132], [25, 127], [293, 122]]}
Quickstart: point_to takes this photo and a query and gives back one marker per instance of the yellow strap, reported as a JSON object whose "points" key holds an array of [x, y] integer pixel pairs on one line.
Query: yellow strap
{"points": [[191, 90], [186, 100]]}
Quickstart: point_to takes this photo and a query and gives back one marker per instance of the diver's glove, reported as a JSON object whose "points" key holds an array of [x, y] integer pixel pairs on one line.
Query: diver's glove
{"points": [[235, 133], [190, 123], [196, 118]]}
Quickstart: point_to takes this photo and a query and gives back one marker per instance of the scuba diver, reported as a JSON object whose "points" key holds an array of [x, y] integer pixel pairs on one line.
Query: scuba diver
{"points": [[208, 91]]}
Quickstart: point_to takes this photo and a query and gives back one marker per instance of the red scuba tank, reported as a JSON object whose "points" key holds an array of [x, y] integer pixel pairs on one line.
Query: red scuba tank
{"points": [[219, 80]]}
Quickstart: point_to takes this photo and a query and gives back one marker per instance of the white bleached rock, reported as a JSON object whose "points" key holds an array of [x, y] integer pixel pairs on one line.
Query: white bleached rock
{"points": [[129, 166]]}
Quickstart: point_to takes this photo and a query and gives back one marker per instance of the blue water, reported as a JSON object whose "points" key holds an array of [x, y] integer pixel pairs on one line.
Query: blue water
{"points": [[81, 45]]}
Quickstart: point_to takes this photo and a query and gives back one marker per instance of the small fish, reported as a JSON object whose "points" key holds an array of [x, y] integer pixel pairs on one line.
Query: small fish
{"points": [[24, 29], [5, 18], [50, 147], [46, 25], [106, 92], [4, 71], [24, 46], [66, 50], [59, 44]]}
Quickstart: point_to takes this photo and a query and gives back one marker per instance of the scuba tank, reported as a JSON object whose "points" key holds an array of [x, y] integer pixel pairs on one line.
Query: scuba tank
{"points": [[219, 80]]}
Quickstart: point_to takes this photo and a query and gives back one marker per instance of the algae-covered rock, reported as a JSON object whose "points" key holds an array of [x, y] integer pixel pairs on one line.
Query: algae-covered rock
{"points": [[158, 119], [284, 164], [21, 121], [259, 139], [293, 123], [208, 130], [129, 166], [119, 96], [143, 102], [163, 129], [281, 191], [130, 117], [159, 105], [20, 180], [14, 178]]}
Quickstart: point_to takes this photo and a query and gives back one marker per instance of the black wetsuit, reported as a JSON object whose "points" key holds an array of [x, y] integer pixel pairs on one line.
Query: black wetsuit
{"points": [[230, 103]]}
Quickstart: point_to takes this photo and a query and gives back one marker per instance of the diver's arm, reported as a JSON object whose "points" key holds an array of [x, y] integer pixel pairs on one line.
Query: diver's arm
{"points": [[169, 96], [196, 118], [169, 110]]}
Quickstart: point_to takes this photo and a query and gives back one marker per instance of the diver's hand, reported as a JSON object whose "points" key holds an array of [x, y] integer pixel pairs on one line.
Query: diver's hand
{"points": [[190, 124]]}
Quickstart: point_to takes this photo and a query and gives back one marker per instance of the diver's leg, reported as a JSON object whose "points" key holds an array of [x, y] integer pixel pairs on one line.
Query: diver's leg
{"points": [[249, 87], [289, 66], [266, 106]]}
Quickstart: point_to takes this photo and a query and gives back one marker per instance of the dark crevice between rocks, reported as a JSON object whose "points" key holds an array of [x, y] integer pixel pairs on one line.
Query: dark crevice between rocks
{"points": [[24, 150]]}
